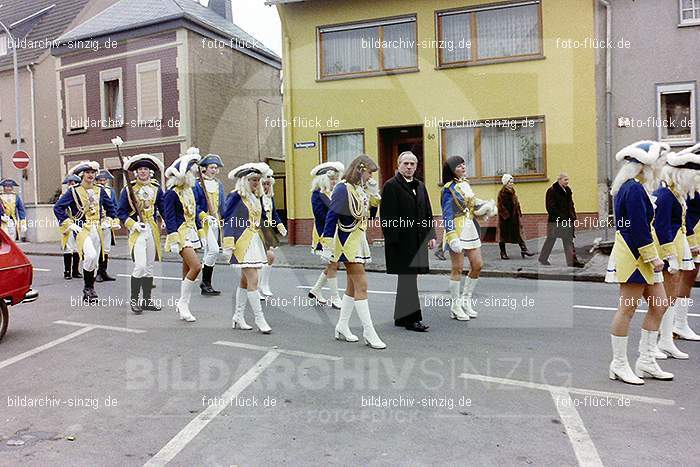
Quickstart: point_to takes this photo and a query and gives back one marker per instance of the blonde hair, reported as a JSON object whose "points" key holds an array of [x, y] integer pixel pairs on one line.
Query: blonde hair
{"points": [[683, 180], [321, 183], [353, 174], [243, 188], [630, 170]]}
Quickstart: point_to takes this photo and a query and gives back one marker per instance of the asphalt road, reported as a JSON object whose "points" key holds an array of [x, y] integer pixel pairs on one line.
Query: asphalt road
{"points": [[516, 386]]}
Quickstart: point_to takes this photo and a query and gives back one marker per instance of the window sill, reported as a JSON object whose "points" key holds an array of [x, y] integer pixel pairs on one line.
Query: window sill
{"points": [[494, 61], [113, 127], [689, 24], [676, 143], [367, 75], [76, 132]]}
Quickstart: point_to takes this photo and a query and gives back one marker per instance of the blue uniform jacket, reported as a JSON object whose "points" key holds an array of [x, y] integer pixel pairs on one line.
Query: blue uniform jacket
{"points": [[67, 203], [668, 218], [201, 197], [173, 213]]}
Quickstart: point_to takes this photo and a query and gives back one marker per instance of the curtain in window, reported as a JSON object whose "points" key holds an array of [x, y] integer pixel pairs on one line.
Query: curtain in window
{"points": [[350, 51], [344, 147], [504, 150], [460, 142], [508, 31], [456, 32], [404, 56]]}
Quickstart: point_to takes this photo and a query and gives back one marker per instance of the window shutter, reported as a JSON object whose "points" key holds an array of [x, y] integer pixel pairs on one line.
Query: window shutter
{"points": [[150, 95], [76, 106]]}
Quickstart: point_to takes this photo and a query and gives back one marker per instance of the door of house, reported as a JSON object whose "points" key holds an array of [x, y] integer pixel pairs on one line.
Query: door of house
{"points": [[394, 141]]}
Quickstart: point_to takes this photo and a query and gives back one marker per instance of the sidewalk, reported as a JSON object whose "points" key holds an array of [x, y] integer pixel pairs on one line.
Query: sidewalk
{"points": [[299, 257]]}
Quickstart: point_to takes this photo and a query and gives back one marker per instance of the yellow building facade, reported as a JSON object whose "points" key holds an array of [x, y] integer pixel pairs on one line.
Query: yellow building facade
{"points": [[509, 86]]}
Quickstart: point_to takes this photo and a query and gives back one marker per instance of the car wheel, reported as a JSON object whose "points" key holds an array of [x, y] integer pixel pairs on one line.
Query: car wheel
{"points": [[4, 318]]}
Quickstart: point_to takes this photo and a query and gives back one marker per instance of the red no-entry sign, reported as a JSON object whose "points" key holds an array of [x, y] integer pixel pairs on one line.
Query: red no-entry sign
{"points": [[20, 159]]}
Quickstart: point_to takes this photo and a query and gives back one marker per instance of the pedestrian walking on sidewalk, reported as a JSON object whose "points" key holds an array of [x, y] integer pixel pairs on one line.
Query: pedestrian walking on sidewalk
{"points": [[635, 262], [510, 228], [354, 201], [183, 224], [407, 224], [243, 241], [460, 207], [326, 176], [561, 217]]}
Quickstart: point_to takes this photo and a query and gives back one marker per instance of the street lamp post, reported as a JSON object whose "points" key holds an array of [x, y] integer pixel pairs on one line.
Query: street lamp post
{"points": [[18, 114]]}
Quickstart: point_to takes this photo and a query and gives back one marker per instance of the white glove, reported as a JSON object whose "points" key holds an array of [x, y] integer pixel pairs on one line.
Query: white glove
{"points": [[455, 245], [5, 218], [373, 188], [203, 241], [282, 230], [75, 228], [23, 229], [326, 255], [228, 253], [175, 248], [106, 225], [139, 227], [673, 266], [211, 220]]}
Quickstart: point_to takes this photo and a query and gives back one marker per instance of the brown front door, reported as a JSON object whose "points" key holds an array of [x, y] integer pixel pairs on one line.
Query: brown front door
{"points": [[394, 141]]}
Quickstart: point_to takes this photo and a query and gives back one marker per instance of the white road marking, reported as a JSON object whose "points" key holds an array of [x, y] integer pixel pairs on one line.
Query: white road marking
{"points": [[167, 278], [284, 351], [42, 269], [549, 387], [384, 292], [192, 429], [605, 308], [100, 326], [41, 348], [585, 450]]}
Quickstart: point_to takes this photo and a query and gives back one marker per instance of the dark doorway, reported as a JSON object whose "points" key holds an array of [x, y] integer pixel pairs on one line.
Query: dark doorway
{"points": [[394, 141]]}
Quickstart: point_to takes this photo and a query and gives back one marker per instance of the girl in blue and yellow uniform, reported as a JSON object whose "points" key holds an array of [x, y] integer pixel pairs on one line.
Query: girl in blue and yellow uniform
{"points": [[355, 199], [102, 179], [243, 242], [210, 192], [14, 218], [635, 262], [138, 209], [326, 176], [182, 222], [271, 226], [461, 238], [692, 224], [81, 211], [678, 182], [71, 258]]}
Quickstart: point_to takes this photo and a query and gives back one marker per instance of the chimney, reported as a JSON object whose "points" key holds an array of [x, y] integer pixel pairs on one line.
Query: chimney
{"points": [[222, 8]]}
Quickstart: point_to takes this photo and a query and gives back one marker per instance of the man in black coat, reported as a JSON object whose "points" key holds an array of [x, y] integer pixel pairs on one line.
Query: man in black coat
{"points": [[407, 224], [561, 217]]}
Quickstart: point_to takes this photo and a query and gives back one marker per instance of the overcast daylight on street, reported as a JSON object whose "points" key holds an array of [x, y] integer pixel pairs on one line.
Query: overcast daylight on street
{"points": [[349, 232]]}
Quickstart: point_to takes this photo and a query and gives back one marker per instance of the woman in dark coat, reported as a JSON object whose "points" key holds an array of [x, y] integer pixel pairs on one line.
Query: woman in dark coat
{"points": [[407, 225], [509, 214]]}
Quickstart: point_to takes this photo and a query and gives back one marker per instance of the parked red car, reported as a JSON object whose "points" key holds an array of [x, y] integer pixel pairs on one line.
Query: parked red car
{"points": [[16, 276]]}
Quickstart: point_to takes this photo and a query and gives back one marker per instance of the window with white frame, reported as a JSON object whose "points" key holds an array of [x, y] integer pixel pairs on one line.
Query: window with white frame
{"points": [[499, 32], [690, 11], [4, 45], [111, 97], [76, 107], [491, 148], [676, 113], [366, 48], [149, 91], [343, 146]]}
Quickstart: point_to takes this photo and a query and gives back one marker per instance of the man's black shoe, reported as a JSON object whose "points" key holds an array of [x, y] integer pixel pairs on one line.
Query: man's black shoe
{"points": [[136, 307], [578, 264], [207, 289], [67, 276], [417, 326]]}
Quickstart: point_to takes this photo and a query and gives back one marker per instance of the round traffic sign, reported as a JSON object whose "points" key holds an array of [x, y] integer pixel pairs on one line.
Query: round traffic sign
{"points": [[20, 159]]}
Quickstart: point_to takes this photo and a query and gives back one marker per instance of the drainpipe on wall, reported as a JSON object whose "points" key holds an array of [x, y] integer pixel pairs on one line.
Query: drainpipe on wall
{"points": [[35, 169], [608, 109]]}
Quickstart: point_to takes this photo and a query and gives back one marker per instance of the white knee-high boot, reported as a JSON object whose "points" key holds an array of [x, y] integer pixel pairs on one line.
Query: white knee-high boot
{"points": [[238, 320], [254, 299], [666, 343], [456, 311], [265, 280], [368, 333], [680, 324], [335, 300], [620, 366], [469, 285], [342, 329], [646, 365], [183, 304], [315, 291]]}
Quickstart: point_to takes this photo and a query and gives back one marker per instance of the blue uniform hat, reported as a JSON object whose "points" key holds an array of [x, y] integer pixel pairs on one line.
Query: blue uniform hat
{"points": [[211, 159], [71, 178], [8, 182], [104, 173]]}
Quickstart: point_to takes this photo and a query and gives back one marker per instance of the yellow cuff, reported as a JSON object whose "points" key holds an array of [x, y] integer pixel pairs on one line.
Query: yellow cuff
{"points": [[65, 225], [693, 240], [202, 233], [116, 224], [129, 223], [449, 236], [374, 201], [173, 239], [202, 215], [229, 243], [648, 252], [668, 249]]}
